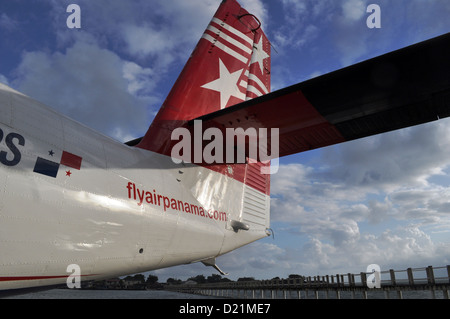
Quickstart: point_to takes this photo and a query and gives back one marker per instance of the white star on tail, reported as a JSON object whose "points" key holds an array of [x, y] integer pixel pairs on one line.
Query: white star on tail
{"points": [[226, 85], [259, 55]]}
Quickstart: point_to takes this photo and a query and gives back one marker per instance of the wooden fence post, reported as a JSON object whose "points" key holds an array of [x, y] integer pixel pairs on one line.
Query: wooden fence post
{"points": [[363, 279], [448, 273], [430, 275], [431, 281], [410, 276], [392, 273]]}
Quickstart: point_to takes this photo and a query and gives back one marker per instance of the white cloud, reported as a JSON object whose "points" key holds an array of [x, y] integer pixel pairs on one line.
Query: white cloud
{"points": [[7, 23], [398, 248], [352, 38], [300, 27], [143, 41], [380, 200], [295, 11], [139, 78], [3, 79], [158, 34], [161, 30], [118, 95], [257, 8], [315, 74], [353, 251], [423, 19], [353, 10], [96, 60], [89, 84], [308, 35], [387, 174]]}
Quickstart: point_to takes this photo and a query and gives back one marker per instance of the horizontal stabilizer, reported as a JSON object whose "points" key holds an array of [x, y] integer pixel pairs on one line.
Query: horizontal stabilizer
{"points": [[407, 87]]}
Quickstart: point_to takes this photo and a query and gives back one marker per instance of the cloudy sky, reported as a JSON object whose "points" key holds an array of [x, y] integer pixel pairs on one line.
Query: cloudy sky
{"points": [[381, 200]]}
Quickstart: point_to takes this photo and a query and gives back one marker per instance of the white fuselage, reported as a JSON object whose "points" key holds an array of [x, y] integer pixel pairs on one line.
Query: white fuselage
{"points": [[123, 210]]}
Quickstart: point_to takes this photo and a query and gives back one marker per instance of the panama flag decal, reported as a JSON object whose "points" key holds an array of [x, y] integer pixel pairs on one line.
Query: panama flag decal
{"points": [[51, 168]]}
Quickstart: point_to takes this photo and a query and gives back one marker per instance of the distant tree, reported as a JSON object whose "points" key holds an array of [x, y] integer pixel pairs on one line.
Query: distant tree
{"points": [[214, 278], [139, 277], [276, 278], [151, 280], [172, 281], [200, 279]]}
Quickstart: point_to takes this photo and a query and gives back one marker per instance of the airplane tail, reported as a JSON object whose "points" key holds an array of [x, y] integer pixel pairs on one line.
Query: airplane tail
{"points": [[230, 64]]}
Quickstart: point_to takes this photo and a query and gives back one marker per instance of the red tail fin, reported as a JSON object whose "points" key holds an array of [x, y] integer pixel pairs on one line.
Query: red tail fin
{"points": [[230, 64]]}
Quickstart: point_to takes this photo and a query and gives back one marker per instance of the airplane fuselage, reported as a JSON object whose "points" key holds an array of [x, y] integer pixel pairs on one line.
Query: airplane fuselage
{"points": [[73, 196]]}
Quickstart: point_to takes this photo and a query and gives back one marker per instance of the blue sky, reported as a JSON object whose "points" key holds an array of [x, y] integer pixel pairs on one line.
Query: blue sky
{"points": [[382, 200]]}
